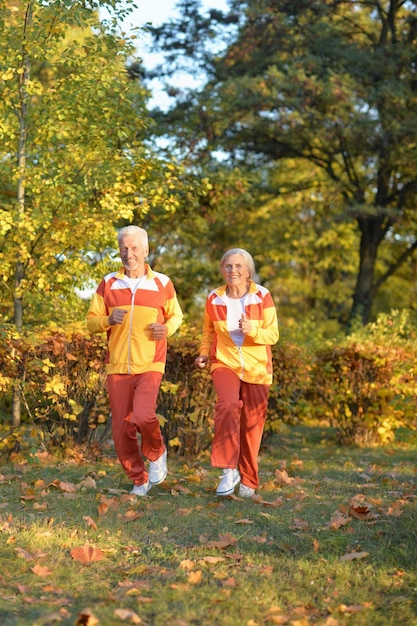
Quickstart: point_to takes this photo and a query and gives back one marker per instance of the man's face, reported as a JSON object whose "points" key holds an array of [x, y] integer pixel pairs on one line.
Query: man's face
{"points": [[133, 254]]}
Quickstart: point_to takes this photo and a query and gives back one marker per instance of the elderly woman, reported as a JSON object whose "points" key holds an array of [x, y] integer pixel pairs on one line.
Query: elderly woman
{"points": [[240, 326]]}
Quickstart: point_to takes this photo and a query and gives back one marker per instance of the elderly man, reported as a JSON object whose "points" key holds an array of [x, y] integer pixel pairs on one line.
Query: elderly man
{"points": [[139, 309]]}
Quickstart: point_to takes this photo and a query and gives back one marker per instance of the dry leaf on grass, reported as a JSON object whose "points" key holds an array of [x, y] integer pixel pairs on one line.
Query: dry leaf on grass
{"points": [[127, 614], [362, 512], [39, 570], [195, 577], [64, 486], [88, 482], [353, 608], [224, 542], [86, 618], [212, 560], [132, 515], [87, 554], [90, 522], [353, 556], [282, 478], [338, 520]]}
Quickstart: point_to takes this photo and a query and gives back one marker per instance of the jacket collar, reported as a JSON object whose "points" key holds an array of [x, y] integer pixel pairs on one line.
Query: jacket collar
{"points": [[149, 273]]}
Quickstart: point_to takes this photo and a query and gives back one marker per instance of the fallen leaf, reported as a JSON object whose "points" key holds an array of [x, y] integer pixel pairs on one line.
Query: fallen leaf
{"points": [[353, 608], [86, 618], [223, 542], [39, 570], [90, 522], [132, 515], [275, 503], [361, 512], [128, 614], [337, 521], [187, 564], [66, 487], [244, 521], [102, 508], [195, 577], [24, 554], [88, 482], [40, 506], [282, 478], [354, 555], [300, 524], [87, 554], [213, 560], [229, 582]]}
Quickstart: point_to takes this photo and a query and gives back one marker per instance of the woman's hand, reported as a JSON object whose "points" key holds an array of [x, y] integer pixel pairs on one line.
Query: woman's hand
{"points": [[200, 362], [245, 325]]}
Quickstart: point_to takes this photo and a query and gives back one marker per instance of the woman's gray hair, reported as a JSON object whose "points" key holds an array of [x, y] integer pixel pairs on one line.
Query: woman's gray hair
{"points": [[250, 263], [133, 230]]}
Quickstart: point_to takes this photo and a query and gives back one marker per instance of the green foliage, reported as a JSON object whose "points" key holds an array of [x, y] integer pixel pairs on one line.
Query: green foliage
{"points": [[287, 397], [74, 163], [365, 385], [186, 400], [60, 380], [318, 98]]}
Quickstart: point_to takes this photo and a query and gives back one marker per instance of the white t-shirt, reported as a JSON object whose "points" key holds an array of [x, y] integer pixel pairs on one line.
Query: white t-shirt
{"points": [[235, 310], [133, 282]]}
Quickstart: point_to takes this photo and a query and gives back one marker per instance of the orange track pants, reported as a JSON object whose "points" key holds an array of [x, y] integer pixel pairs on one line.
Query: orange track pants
{"points": [[239, 420], [133, 400]]}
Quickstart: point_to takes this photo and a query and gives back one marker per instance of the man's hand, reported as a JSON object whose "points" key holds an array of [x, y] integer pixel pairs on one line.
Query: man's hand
{"points": [[159, 331], [117, 316]]}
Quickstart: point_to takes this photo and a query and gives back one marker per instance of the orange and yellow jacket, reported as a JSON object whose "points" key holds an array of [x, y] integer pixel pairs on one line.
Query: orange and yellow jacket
{"points": [[252, 362], [131, 349]]}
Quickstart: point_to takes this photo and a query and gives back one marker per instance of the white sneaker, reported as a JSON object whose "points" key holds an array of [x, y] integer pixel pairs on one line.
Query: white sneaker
{"points": [[230, 479], [246, 492], [141, 490], [158, 469]]}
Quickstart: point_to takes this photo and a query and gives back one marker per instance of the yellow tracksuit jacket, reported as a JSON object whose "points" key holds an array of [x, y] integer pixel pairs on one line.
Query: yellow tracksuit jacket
{"points": [[252, 362], [131, 349]]}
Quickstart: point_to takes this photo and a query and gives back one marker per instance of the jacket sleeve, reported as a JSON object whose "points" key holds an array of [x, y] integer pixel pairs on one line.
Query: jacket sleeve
{"points": [[97, 315], [207, 335], [172, 313], [266, 333]]}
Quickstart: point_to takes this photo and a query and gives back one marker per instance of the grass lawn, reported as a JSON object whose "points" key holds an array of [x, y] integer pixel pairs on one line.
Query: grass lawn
{"points": [[330, 539]]}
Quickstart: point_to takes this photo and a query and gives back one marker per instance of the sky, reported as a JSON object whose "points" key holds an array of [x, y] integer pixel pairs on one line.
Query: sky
{"points": [[157, 12]]}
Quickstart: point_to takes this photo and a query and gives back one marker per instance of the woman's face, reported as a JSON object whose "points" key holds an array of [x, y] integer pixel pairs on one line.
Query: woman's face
{"points": [[235, 271]]}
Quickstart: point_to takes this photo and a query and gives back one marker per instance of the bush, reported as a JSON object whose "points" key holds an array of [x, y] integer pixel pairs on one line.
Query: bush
{"points": [[287, 396], [365, 391], [187, 398], [363, 385], [60, 379]]}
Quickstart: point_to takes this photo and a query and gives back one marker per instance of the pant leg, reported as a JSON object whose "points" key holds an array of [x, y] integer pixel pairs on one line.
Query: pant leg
{"points": [[226, 444], [252, 422], [145, 398], [120, 388]]}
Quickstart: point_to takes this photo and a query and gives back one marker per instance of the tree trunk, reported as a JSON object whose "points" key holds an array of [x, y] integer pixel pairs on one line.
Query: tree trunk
{"points": [[373, 231], [21, 199]]}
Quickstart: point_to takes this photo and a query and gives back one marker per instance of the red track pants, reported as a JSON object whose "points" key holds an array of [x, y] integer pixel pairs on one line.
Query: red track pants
{"points": [[239, 420], [133, 400]]}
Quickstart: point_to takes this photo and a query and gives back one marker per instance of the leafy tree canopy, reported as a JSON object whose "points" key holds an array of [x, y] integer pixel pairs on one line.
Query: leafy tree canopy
{"points": [[318, 98]]}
